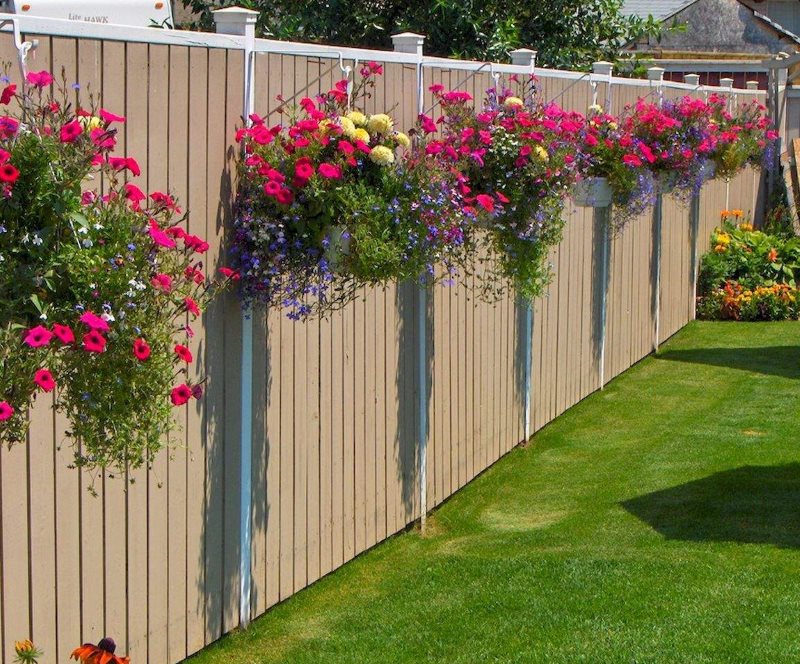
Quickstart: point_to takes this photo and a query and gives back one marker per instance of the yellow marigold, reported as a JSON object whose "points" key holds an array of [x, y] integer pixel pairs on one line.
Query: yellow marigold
{"points": [[513, 101], [357, 118], [380, 123], [361, 135], [541, 153], [724, 213], [402, 139], [381, 155], [348, 128], [89, 122], [723, 238], [746, 227]]}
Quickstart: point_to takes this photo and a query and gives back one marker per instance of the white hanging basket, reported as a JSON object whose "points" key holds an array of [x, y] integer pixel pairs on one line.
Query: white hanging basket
{"points": [[592, 192]]}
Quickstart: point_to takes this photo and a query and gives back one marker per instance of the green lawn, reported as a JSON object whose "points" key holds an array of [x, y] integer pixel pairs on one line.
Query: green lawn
{"points": [[658, 521]]}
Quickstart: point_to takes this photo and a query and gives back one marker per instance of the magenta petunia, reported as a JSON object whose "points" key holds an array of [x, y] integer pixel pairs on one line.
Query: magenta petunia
{"points": [[162, 282], [159, 237], [40, 79], [191, 306], [108, 117], [44, 379], [38, 336], [6, 411], [94, 322], [485, 201]]}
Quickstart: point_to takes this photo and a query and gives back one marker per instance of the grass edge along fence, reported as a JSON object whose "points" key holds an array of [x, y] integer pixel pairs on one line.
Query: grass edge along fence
{"points": [[334, 463]]}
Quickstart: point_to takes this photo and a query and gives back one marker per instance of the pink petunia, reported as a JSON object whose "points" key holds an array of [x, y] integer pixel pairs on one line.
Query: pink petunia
{"points": [[632, 160], [6, 411], [40, 79], [8, 127], [108, 117], [44, 379], [8, 94], [94, 322], [38, 336], [159, 237], [183, 353], [141, 350], [162, 282]]}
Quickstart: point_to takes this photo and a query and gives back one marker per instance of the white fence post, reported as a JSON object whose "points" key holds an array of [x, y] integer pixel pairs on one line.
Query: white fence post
{"points": [[410, 42], [242, 22], [603, 71], [656, 78], [526, 57]]}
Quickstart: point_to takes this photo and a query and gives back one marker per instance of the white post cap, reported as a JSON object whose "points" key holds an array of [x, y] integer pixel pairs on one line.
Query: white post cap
{"points": [[726, 83], [602, 68], [655, 73], [752, 85], [235, 21], [692, 79], [523, 56], [408, 42]]}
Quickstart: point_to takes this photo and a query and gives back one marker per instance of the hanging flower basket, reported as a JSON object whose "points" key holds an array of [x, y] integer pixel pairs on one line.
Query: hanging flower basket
{"points": [[708, 169], [592, 192], [667, 181]]}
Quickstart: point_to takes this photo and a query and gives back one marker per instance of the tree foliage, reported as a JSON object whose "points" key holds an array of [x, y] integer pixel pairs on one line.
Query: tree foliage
{"points": [[566, 33]]}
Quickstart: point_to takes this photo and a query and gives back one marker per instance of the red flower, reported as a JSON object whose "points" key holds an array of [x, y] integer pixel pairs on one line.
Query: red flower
{"points": [[632, 160], [229, 273], [6, 411], [40, 79], [162, 282], [330, 171], [8, 94], [103, 138], [71, 131], [38, 336], [8, 173], [94, 342], [102, 653], [285, 196], [183, 353], [485, 201], [191, 306], [271, 188], [180, 394], [94, 322], [141, 349], [303, 169], [63, 333], [121, 163], [44, 379], [195, 243]]}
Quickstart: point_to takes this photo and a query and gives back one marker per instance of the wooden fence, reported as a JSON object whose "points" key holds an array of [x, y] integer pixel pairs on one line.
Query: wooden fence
{"points": [[154, 561]]}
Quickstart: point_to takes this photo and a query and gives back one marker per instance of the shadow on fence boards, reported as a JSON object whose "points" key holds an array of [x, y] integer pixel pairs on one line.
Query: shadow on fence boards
{"points": [[156, 559]]}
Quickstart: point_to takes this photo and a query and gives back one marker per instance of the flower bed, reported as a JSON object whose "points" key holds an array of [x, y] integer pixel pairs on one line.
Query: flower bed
{"points": [[748, 274]]}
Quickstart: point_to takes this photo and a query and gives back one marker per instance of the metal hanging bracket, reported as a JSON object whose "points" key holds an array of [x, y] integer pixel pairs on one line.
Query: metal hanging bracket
{"points": [[23, 47]]}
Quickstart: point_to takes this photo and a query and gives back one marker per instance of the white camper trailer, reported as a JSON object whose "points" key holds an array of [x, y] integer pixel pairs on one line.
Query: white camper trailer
{"points": [[143, 13]]}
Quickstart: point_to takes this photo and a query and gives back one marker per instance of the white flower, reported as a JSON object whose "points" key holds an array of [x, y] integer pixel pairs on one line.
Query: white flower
{"points": [[108, 317], [37, 240], [43, 316]]}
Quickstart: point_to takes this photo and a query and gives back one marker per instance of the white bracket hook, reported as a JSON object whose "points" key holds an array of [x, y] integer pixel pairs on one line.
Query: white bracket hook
{"points": [[347, 70], [23, 47]]}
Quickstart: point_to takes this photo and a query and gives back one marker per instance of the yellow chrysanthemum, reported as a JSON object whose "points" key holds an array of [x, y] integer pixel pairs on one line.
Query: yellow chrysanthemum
{"points": [[90, 122], [541, 153], [402, 139], [380, 123], [348, 128], [723, 238], [513, 101], [381, 155], [361, 135], [357, 118]]}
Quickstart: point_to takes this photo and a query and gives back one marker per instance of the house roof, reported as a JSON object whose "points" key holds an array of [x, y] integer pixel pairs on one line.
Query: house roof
{"points": [[660, 10]]}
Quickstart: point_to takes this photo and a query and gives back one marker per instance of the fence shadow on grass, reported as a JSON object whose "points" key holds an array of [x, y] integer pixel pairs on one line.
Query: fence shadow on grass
{"points": [[783, 361], [750, 504]]}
